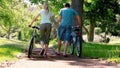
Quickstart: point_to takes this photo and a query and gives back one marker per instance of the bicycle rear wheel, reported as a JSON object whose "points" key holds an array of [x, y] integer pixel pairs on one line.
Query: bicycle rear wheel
{"points": [[32, 42], [78, 47], [71, 48], [72, 45]]}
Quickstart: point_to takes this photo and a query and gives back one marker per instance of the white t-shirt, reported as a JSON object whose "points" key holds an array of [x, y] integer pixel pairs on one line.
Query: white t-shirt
{"points": [[45, 17]]}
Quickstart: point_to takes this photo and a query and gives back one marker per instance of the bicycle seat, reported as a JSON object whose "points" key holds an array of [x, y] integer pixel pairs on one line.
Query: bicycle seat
{"points": [[75, 28]]}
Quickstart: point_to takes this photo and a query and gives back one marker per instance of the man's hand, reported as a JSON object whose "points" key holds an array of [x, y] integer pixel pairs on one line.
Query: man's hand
{"points": [[78, 26], [59, 19], [79, 20]]}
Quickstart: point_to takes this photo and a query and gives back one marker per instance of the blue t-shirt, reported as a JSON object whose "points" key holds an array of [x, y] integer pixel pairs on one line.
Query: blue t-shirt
{"points": [[68, 15]]}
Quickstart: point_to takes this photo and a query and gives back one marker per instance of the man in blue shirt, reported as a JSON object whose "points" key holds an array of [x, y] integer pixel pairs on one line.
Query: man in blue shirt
{"points": [[66, 17]]}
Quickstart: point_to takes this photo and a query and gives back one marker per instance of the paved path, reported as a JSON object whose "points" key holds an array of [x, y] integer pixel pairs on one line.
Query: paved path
{"points": [[62, 63], [54, 61]]}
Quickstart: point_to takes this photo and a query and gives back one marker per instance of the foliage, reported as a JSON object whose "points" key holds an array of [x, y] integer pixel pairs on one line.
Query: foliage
{"points": [[14, 19], [15, 15], [7, 17], [101, 13], [55, 5]]}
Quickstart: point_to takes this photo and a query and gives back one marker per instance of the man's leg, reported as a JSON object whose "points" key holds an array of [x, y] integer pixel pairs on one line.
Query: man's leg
{"points": [[67, 39], [59, 46], [65, 48], [60, 34]]}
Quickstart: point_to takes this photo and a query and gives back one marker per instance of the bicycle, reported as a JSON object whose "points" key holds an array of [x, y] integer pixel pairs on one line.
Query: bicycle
{"points": [[76, 41], [33, 41]]}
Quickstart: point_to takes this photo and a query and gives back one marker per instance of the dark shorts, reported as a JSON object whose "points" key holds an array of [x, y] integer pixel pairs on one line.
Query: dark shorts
{"points": [[45, 30], [64, 33]]}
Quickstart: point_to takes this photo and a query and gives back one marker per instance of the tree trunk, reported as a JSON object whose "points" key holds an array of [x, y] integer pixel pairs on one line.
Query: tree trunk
{"points": [[19, 35], [91, 32], [78, 6], [8, 34]]}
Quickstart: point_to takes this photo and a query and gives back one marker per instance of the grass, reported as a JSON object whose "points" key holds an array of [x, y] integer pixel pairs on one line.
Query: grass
{"points": [[10, 48], [9, 52], [104, 51], [109, 52]]}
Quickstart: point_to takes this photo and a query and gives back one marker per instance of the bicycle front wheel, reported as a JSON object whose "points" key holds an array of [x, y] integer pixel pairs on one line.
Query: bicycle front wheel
{"points": [[32, 42], [78, 47]]}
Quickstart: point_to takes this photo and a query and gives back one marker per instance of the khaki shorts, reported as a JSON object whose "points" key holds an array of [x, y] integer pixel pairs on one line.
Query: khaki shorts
{"points": [[45, 30]]}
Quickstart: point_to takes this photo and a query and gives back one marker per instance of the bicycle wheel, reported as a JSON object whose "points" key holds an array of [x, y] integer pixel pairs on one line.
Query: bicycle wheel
{"points": [[72, 45], [32, 42], [78, 47], [72, 49]]}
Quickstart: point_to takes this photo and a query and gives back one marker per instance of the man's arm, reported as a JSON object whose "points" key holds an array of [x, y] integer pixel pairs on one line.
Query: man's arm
{"points": [[59, 18], [79, 20]]}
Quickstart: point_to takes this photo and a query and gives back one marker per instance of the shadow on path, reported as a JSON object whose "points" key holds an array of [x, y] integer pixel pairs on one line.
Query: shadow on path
{"points": [[71, 59]]}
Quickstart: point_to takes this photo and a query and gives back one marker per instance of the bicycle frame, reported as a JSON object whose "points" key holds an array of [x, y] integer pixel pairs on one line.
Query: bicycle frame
{"points": [[34, 33], [75, 34], [32, 42], [35, 30], [76, 41]]}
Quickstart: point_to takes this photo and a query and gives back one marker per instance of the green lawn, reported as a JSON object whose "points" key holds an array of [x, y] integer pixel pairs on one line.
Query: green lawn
{"points": [[104, 51], [109, 52], [10, 48]]}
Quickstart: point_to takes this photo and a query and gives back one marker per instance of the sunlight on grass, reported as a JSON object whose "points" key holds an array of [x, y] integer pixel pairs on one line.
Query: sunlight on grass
{"points": [[101, 51], [9, 49], [9, 52], [114, 60]]}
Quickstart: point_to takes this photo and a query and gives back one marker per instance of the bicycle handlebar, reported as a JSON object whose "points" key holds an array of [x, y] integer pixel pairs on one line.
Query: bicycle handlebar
{"points": [[35, 27]]}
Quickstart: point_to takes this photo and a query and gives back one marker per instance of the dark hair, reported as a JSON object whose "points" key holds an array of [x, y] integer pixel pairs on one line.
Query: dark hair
{"points": [[67, 5]]}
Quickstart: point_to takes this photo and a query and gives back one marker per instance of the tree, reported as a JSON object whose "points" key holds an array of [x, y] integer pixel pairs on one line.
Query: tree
{"points": [[101, 11], [14, 19], [7, 17]]}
